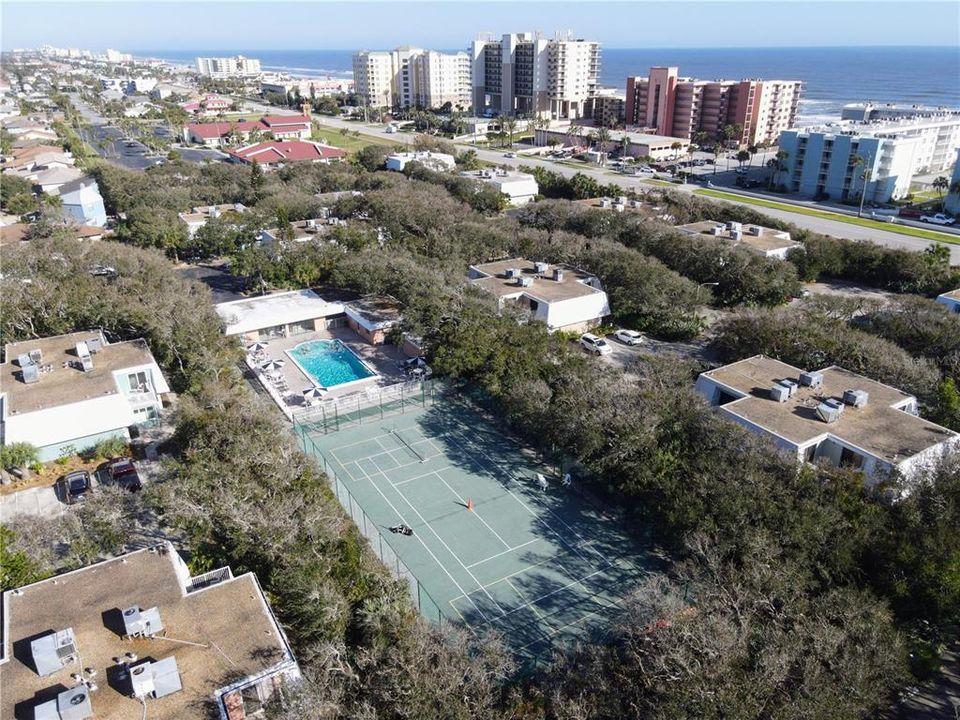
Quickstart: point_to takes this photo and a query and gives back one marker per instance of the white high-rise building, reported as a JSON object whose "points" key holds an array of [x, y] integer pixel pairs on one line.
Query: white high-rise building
{"points": [[373, 78], [412, 77], [228, 67], [528, 74]]}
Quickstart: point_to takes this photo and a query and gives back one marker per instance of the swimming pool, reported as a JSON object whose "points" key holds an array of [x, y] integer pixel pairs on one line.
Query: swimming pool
{"points": [[329, 363]]}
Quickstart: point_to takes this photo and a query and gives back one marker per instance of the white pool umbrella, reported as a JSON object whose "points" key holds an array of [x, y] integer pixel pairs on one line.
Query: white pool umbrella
{"points": [[256, 347], [315, 393], [272, 365]]}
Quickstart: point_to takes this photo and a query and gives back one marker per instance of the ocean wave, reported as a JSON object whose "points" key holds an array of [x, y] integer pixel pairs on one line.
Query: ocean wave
{"points": [[295, 70]]}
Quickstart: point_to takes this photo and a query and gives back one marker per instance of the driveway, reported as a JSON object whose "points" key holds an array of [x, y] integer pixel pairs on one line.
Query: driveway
{"points": [[223, 286], [41, 501]]}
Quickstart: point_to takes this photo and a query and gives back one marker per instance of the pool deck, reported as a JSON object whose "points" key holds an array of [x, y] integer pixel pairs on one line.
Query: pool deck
{"points": [[381, 358]]}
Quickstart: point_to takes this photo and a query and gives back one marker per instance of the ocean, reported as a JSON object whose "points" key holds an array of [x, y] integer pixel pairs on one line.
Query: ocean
{"points": [[832, 76]]}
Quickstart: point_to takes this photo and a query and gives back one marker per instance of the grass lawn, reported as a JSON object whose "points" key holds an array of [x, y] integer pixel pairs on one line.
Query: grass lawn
{"points": [[658, 182], [826, 215], [350, 143]]}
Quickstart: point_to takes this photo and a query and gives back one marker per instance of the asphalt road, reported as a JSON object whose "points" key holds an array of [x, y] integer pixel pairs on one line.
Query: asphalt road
{"points": [[223, 286]]}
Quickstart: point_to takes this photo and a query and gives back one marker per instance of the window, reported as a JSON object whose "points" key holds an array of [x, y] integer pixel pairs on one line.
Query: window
{"points": [[138, 382], [848, 458]]}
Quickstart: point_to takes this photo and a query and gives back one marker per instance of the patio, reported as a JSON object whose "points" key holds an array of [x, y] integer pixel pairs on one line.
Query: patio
{"points": [[286, 384]]}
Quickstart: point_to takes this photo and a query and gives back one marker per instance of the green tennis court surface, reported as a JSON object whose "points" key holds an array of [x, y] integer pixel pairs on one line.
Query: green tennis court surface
{"points": [[540, 566]]}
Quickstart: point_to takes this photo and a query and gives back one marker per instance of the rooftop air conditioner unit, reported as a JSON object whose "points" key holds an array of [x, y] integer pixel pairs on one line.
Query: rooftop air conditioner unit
{"points": [[94, 345], [604, 202], [53, 651], [811, 379], [141, 623], [779, 393], [733, 226], [622, 199], [72, 704], [311, 223], [82, 350], [829, 410], [736, 236], [857, 398], [512, 272], [717, 230], [36, 356], [558, 274], [790, 385], [525, 281], [156, 679], [617, 207], [86, 362], [30, 373], [541, 267], [24, 359], [755, 230]]}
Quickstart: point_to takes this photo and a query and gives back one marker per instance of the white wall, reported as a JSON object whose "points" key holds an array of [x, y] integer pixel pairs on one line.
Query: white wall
{"points": [[586, 308]]}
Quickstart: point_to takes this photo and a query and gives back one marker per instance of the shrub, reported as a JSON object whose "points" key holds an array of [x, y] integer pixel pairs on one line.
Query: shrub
{"points": [[20, 454]]}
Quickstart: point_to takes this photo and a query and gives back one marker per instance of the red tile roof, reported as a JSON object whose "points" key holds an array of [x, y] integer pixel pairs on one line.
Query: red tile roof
{"points": [[267, 124], [267, 153], [272, 120]]}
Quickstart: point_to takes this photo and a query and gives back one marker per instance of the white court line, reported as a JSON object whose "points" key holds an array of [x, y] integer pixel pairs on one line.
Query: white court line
{"points": [[521, 596], [526, 507], [481, 562], [426, 547], [418, 477], [436, 535], [552, 592], [523, 570], [551, 633], [464, 502]]}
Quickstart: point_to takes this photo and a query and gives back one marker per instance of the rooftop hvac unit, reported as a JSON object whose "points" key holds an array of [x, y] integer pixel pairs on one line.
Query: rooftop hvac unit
{"points": [[86, 362], [717, 230], [828, 411], [733, 226], [790, 385], [557, 274], [617, 207], [215, 211], [811, 379], [155, 679], [23, 359], [622, 199], [604, 202], [141, 623], [513, 272], [857, 398], [311, 223], [541, 267], [524, 281], [238, 207], [72, 704], [94, 345], [30, 373], [736, 236], [755, 230], [779, 393], [36, 356], [636, 203], [82, 350], [54, 651]]}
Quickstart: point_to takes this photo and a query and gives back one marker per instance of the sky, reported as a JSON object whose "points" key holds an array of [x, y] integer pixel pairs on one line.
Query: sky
{"points": [[128, 25]]}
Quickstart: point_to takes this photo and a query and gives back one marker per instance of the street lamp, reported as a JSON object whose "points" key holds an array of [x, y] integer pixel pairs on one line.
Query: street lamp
{"points": [[704, 285], [865, 178]]}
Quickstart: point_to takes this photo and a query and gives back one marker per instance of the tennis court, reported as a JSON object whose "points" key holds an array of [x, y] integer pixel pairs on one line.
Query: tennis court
{"points": [[540, 565]]}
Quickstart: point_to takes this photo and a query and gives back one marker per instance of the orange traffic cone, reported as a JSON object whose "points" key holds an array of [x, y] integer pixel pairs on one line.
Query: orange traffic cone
{"points": [[469, 504]]}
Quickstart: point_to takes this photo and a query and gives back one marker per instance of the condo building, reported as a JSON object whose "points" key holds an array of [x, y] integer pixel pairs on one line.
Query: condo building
{"points": [[228, 67], [413, 77], [666, 104], [879, 158], [528, 74]]}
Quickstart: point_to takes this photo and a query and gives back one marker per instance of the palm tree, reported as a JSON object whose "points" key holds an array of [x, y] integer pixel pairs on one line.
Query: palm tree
{"points": [[676, 147], [778, 164], [509, 124], [753, 150], [742, 157], [624, 146], [940, 184], [855, 162], [602, 137]]}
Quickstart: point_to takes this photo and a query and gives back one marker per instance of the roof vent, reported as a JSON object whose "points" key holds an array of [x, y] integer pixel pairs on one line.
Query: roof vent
{"points": [[779, 393], [857, 398], [54, 651], [811, 379], [155, 679], [829, 410], [141, 623]]}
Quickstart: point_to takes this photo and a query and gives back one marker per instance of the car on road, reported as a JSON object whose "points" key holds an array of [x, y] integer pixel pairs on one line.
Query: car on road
{"points": [[510, 155], [595, 344], [628, 337], [123, 473], [910, 212], [75, 486], [938, 219]]}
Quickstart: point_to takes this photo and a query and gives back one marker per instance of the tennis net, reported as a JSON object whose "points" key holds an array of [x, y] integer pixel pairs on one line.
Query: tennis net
{"points": [[409, 447]]}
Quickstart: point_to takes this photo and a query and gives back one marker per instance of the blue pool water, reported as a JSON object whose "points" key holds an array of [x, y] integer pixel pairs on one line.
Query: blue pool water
{"points": [[329, 362]]}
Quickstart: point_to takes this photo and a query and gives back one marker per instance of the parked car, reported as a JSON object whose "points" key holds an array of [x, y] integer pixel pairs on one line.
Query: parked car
{"points": [[938, 219], [123, 473], [628, 337], [510, 155], [595, 344], [75, 486], [910, 212]]}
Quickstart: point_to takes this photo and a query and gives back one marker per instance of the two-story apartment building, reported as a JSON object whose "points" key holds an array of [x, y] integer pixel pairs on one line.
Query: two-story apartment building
{"points": [[72, 391]]}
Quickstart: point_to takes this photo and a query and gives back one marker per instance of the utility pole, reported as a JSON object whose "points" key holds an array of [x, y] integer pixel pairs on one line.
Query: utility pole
{"points": [[865, 178]]}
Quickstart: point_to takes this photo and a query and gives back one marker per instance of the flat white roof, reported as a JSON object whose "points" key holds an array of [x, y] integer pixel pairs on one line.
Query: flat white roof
{"points": [[249, 314]]}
